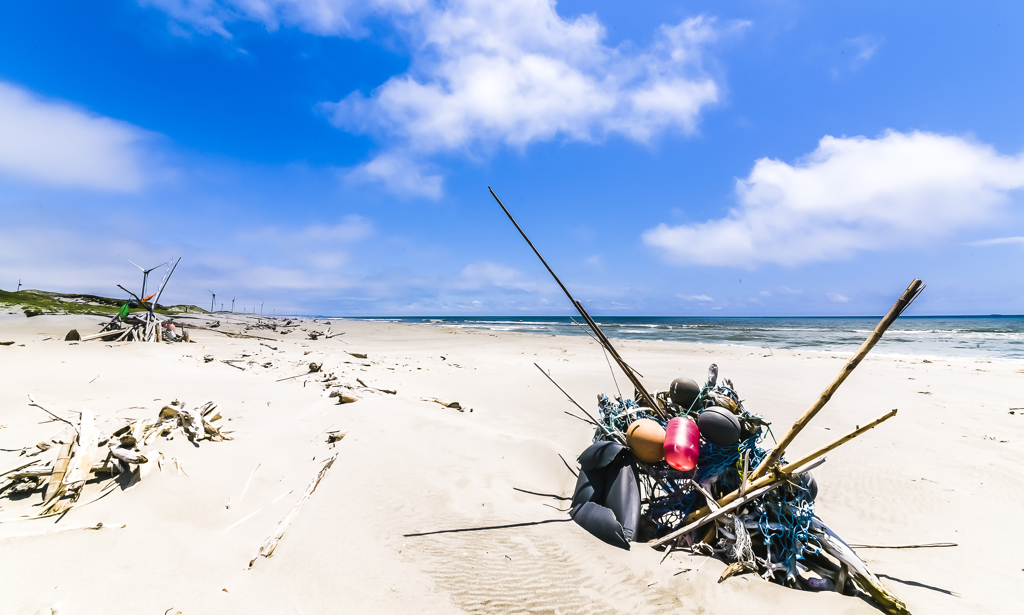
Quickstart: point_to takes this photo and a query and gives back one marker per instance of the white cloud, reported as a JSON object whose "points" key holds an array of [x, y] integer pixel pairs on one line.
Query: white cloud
{"points": [[700, 298], [998, 241], [319, 247], [325, 17], [485, 74], [837, 298], [59, 144], [483, 274], [513, 73], [849, 195], [864, 48], [399, 174]]}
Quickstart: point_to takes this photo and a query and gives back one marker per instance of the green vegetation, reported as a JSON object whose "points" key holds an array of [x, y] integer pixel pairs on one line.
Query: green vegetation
{"points": [[38, 302]]}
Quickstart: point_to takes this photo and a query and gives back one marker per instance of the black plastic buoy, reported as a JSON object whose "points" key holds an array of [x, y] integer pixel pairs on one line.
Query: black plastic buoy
{"points": [[719, 426], [683, 392]]}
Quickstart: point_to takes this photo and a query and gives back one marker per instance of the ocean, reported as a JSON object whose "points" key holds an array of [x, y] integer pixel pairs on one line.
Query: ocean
{"points": [[978, 337]]}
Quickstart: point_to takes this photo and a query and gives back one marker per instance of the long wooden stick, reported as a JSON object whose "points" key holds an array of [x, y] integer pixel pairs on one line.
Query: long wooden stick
{"points": [[775, 477], [904, 301], [647, 397], [732, 505], [582, 409], [838, 549], [268, 546], [101, 334]]}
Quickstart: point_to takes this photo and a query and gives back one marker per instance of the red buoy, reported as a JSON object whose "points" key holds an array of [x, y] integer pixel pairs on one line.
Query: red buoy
{"points": [[682, 444]]}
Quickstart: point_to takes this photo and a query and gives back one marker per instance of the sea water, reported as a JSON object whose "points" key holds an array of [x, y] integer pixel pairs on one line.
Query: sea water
{"points": [[979, 337]]}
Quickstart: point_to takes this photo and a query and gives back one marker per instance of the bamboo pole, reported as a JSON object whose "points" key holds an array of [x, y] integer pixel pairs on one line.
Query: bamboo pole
{"points": [[776, 476], [904, 301], [647, 397]]}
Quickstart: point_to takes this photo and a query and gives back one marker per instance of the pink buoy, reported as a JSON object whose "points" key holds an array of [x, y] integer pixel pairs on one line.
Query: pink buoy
{"points": [[682, 444]]}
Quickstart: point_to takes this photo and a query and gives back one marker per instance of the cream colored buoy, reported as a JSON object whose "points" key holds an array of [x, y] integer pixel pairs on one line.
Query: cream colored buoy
{"points": [[646, 438]]}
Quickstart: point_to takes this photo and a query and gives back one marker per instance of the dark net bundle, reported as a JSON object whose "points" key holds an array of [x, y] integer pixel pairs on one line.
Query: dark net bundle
{"points": [[771, 534]]}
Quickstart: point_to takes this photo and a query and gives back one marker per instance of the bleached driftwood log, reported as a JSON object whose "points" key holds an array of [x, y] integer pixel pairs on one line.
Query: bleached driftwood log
{"points": [[80, 464], [834, 546], [60, 468], [268, 546]]}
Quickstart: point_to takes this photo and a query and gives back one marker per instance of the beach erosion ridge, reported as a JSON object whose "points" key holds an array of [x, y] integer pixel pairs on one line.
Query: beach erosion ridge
{"points": [[432, 506]]}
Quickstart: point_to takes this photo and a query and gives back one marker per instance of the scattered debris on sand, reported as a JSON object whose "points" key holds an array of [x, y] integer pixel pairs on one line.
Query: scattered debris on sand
{"points": [[82, 452]]}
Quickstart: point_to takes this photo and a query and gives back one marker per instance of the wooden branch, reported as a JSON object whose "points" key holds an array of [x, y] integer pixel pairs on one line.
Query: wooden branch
{"points": [[60, 468], [268, 546], [32, 402], [626, 369], [838, 549], [102, 334], [19, 467], [928, 545], [904, 301], [778, 475], [79, 465], [724, 510]]}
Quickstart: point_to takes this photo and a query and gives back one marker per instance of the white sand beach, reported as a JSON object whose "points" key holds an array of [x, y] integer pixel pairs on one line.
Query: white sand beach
{"points": [[431, 509]]}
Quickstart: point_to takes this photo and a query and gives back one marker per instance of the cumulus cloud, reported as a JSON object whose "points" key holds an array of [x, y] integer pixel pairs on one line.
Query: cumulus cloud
{"points": [[849, 195], [486, 74], [59, 144], [513, 73], [400, 174]]}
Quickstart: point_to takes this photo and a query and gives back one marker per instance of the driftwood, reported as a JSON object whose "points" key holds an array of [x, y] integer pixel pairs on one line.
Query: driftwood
{"points": [[732, 505], [127, 455], [78, 467], [857, 569], [110, 333], [898, 308], [268, 546], [60, 467], [929, 545], [774, 477], [631, 374]]}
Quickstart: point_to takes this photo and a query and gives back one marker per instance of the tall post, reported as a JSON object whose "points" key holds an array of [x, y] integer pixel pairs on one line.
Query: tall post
{"points": [[602, 339]]}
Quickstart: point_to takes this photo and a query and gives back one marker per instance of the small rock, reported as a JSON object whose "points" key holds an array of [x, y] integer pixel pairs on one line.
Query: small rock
{"points": [[72, 336], [208, 358]]}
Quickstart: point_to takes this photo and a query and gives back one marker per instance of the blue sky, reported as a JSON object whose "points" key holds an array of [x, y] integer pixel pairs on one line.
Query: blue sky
{"points": [[700, 158]]}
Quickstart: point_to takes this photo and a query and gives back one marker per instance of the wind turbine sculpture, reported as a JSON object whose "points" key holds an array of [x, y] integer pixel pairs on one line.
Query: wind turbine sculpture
{"points": [[145, 274]]}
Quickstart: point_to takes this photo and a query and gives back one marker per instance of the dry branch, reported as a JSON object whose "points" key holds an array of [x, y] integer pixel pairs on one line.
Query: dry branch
{"points": [[268, 546], [901, 304]]}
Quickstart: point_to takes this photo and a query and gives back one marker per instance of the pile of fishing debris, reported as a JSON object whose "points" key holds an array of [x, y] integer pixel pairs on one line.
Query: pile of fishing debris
{"points": [[82, 453], [686, 468]]}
